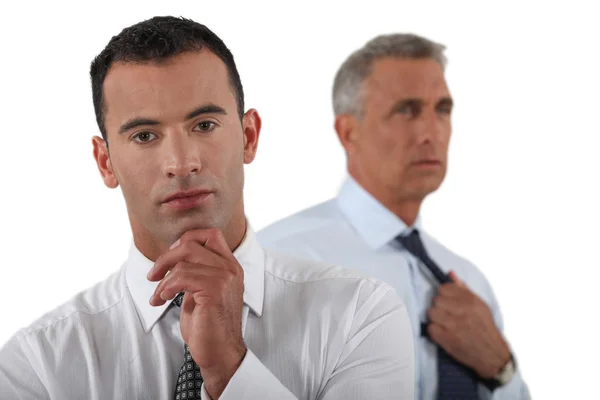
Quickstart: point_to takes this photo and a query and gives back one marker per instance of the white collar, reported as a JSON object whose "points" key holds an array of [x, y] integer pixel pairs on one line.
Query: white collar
{"points": [[249, 254], [376, 224]]}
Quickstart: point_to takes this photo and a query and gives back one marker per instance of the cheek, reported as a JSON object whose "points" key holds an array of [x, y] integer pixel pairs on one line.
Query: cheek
{"points": [[391, 140], [136, 175], [227, 155]]}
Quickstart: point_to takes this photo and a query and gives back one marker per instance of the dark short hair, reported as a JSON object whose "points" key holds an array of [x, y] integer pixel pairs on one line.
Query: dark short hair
{"points": [[156, 40]]}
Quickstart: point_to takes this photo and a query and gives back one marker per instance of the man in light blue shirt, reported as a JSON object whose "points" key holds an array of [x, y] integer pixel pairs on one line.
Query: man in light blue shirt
{"points": [[392, 108]]}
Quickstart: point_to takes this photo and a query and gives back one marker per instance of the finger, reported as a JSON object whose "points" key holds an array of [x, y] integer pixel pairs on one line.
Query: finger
{"points": [[212, 239], [186, 277], [444, 337], [452, 290], [437, 333], [451, 305], [441, 317], [189, 251]]}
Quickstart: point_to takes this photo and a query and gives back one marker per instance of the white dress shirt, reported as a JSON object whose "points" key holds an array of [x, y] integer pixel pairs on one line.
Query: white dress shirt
{"points": [[357, 231], [313, 331]]}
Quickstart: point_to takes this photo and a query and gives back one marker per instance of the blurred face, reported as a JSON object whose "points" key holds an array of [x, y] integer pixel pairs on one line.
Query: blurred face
{"points": [[176, 147], [398, 149]]}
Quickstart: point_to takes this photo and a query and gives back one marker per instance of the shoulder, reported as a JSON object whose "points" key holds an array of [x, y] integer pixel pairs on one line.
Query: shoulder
{"points": [[294, 274], [85, 305], [466, 270], [315, 218], [310, 233], [460, 263]]}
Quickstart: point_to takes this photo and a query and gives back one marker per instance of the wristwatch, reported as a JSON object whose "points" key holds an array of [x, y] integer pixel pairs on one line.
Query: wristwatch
{"points": [[507, 372], [504, 376]]}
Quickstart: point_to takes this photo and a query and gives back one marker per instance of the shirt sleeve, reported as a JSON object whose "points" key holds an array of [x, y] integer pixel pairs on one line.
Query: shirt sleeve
{"points": [[18, 379], [253, 380], [378, 360]]}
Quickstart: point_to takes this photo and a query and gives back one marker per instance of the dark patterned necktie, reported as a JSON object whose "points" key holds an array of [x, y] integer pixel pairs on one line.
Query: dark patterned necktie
{"points": [[455, 381], [189, 381]]}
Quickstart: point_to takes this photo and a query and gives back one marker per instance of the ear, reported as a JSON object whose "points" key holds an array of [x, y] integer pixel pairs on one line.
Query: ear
{"points": [[347, 129], [103, 161], [251, 124]]}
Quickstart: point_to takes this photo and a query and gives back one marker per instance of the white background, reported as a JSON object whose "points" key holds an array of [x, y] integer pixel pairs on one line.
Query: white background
{"points": [[520, 200]]}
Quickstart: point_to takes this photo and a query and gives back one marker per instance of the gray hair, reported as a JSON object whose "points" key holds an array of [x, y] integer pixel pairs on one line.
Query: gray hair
{"points": [[357, 67]]}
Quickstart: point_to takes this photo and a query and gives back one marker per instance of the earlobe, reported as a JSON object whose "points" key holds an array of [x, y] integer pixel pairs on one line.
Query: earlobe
{"points": [[103, 161]]}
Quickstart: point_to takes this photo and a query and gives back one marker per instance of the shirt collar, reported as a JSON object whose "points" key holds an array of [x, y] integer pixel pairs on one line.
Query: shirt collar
{"points": [[249, 254], [376, 224]]}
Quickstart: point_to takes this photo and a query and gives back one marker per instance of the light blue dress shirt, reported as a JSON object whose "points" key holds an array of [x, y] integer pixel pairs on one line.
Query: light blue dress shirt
{"points": [[356, 231]]}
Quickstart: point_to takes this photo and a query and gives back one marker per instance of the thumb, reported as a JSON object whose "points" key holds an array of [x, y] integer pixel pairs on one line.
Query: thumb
{"points": [[455, 278]]}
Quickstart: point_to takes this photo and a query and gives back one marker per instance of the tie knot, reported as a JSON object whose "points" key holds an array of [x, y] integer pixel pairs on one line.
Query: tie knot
{"points": [[413, 244]]}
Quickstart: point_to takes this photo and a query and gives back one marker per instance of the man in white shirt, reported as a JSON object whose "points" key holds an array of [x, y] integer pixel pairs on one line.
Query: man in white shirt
{"points": [[199, 309], [392, 116]]}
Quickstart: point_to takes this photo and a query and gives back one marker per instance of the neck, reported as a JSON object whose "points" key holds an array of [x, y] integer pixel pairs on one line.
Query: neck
{"points": [[406, 208]]}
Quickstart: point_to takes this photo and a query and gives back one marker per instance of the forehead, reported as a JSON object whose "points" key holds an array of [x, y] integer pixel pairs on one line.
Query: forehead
{"points": [[167, 90], [400, 78]]}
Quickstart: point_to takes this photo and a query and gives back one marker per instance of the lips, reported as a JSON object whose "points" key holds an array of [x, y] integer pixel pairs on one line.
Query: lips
{"points": [[187, 199], [185, 194], [428, 162]]}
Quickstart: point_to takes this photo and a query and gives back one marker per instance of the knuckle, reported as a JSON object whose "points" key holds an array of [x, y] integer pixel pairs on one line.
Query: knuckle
{"points": [[434, 331], [453, 340], [237, 272], [214, 232], [431, 314], [187, 235], [187, 246], [180, 266], [221, 284]]}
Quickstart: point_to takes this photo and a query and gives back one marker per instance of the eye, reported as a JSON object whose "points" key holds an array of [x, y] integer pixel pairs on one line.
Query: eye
{"points": [[144, 137], [205, 126], [406, 109], [410, 109], [445, 108]]}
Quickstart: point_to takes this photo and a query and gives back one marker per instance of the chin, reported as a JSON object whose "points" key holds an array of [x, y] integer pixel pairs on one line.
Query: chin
{"points": [[422, 189], [179, 225]]}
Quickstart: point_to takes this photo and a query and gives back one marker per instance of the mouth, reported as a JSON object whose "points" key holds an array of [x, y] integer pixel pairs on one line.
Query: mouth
{"points": [[428, 163], [187, 199]]}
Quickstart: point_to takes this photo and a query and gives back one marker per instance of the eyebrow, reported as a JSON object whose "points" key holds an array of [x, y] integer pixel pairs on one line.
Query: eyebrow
{"points": [[142, 121], [447, 101]]}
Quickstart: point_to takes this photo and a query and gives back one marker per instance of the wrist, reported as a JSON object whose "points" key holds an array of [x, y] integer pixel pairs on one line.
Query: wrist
{"points": [[503, 377], [217, 377], [504, 358], [495, 365]]}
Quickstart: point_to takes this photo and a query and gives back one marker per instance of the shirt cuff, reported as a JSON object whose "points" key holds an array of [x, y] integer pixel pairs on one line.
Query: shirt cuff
{"points": [[252, 381]]}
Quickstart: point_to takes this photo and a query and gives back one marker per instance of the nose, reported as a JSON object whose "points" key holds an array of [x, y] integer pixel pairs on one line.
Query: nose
{"points": [[182, 158], [430, 128]]}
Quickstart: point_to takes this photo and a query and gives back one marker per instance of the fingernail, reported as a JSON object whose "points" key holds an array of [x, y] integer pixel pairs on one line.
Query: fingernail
{"points": [[175, 244], [163, 296]]}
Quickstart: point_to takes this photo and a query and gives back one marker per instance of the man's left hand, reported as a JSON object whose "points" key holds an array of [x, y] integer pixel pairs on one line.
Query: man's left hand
{"points": [[463, 325]]}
